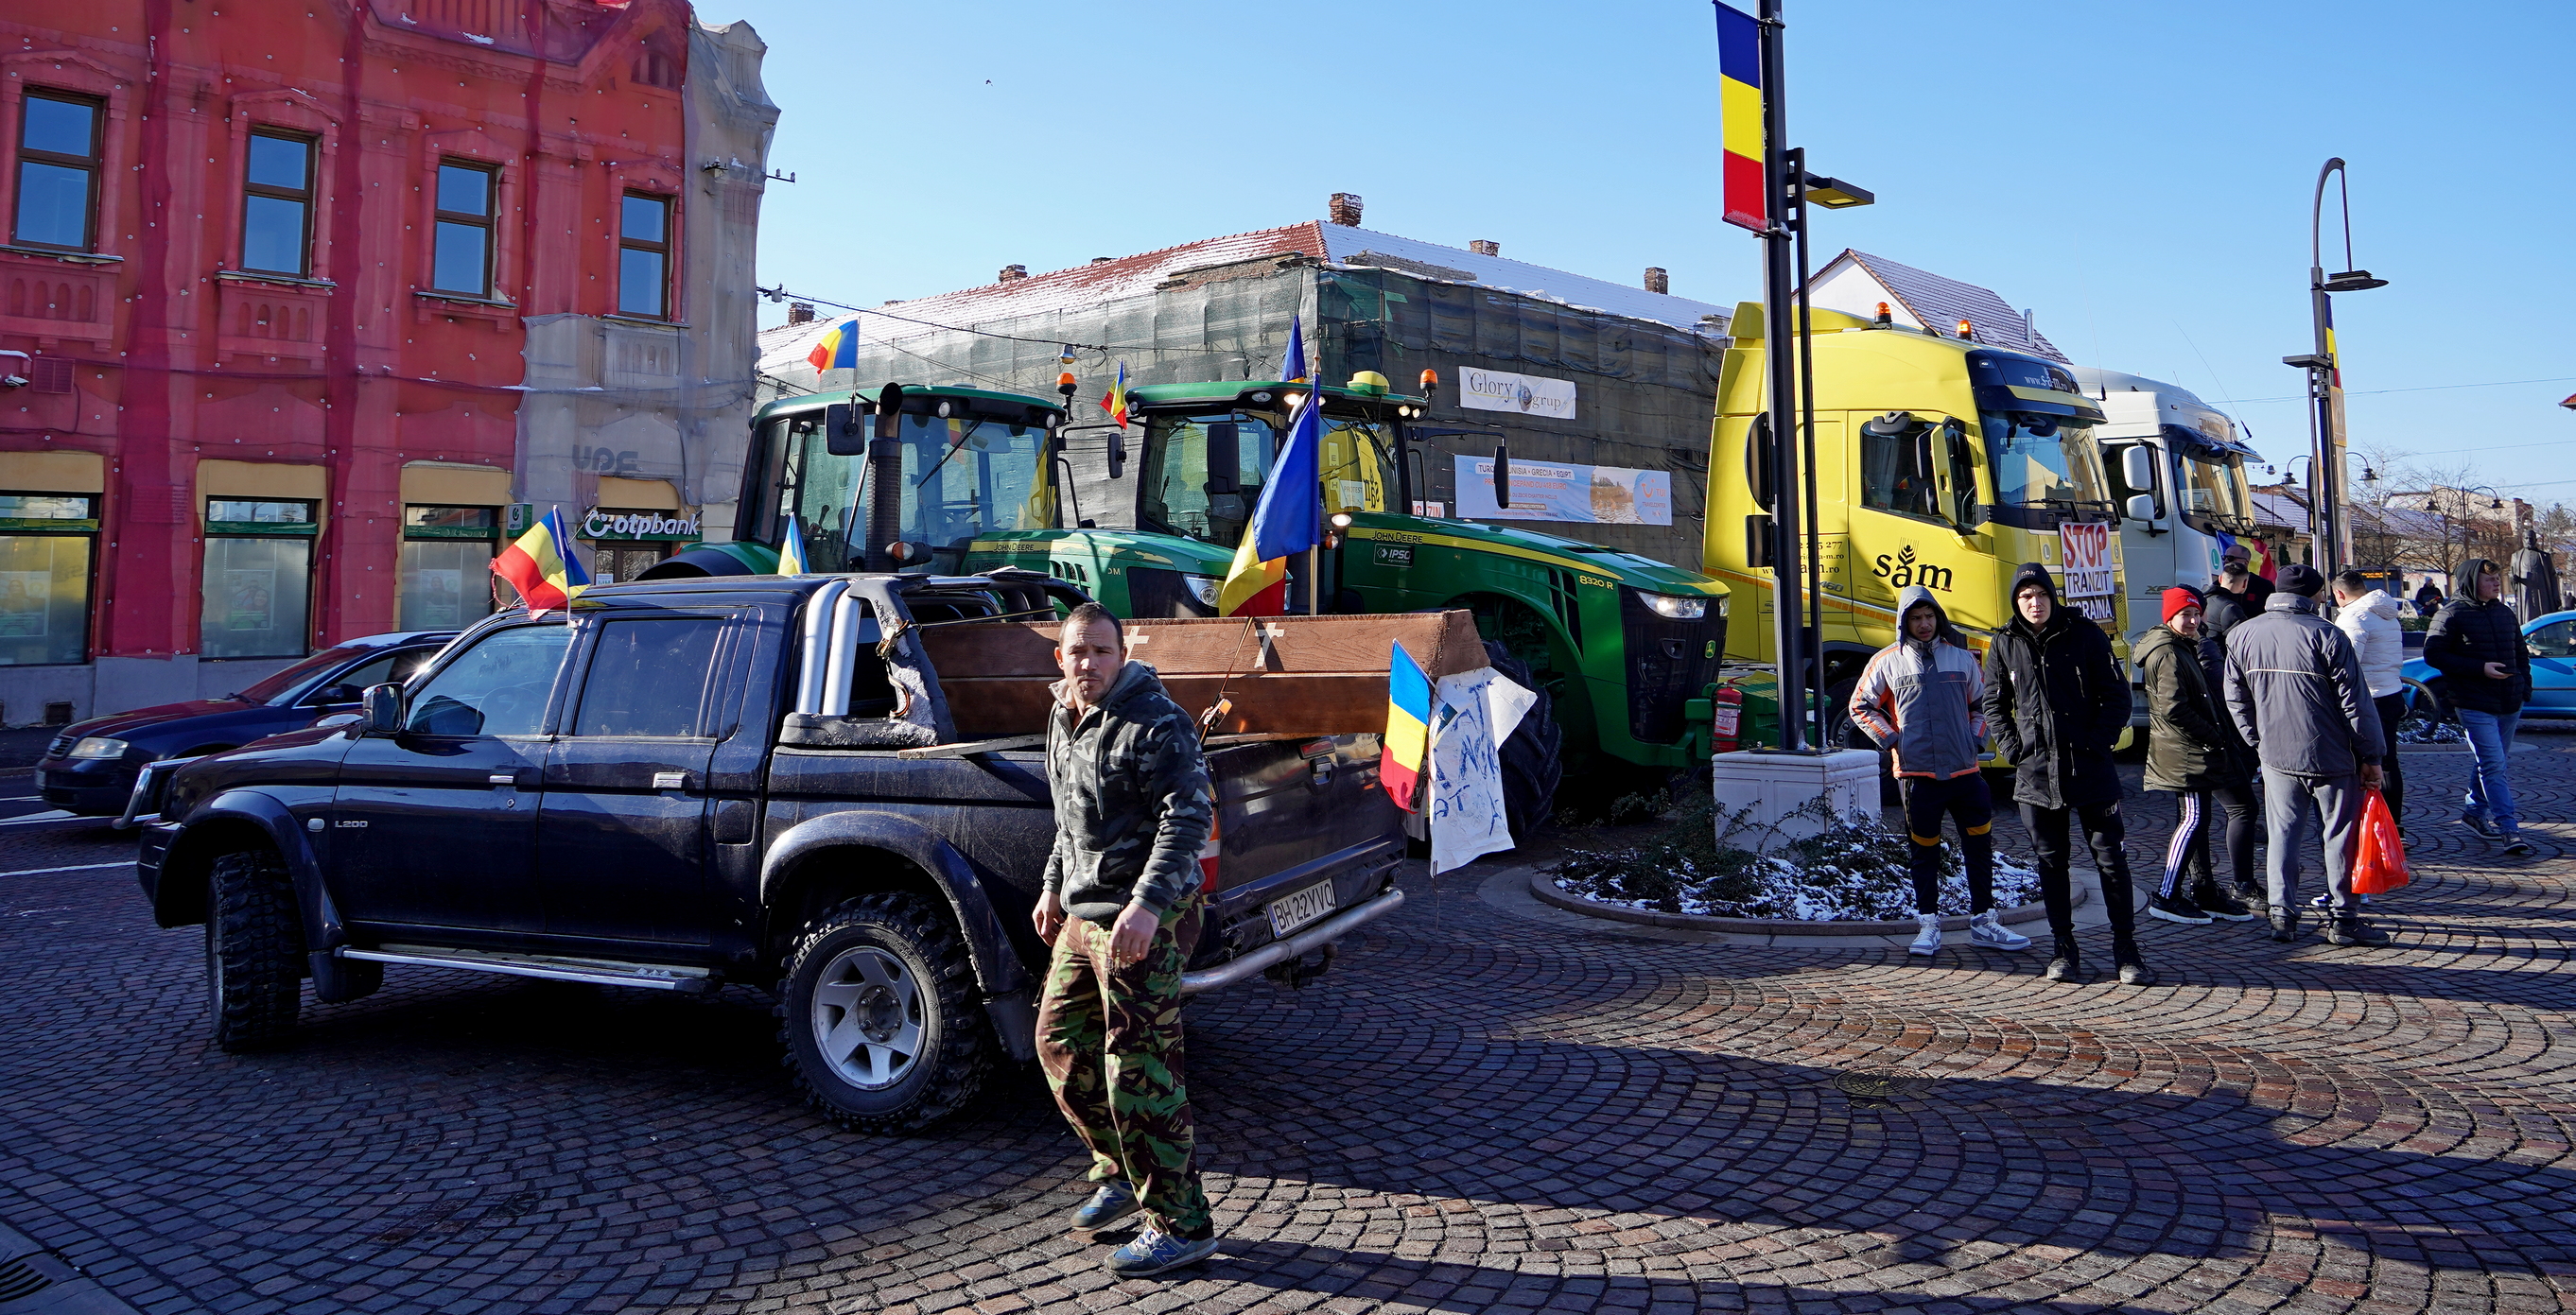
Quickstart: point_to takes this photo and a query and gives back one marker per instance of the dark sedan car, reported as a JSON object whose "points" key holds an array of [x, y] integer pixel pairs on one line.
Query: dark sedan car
{"points": [[90, 767]]}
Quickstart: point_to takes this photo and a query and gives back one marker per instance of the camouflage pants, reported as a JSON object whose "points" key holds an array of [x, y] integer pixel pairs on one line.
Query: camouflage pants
{"points": [[1109, 1039]]}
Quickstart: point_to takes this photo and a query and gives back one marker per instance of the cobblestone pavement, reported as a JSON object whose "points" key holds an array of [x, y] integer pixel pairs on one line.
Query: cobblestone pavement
{"points": [[1482, 1109]]}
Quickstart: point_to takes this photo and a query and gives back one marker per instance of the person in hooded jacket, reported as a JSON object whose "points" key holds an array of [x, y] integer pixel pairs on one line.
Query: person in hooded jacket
{"points": [[2188, 753], [2056, 702], [2476, 643], [2296, 694], [2368, 617], [1921, 699]]}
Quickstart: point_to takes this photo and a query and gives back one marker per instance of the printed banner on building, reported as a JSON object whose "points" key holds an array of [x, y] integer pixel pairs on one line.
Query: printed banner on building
{"points": [[1521, 394], [1546, 491], [2085, 561]]}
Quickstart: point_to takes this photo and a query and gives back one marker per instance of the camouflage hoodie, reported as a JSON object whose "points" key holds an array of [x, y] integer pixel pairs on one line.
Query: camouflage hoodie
{"points": [[1131, 798]]}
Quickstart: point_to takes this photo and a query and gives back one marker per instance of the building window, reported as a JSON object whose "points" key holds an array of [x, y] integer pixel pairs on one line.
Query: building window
{"points": [[58, 162], [277, 205], [259, 578], [644, 257], [46, 544], [462, 258], [447, 566]]}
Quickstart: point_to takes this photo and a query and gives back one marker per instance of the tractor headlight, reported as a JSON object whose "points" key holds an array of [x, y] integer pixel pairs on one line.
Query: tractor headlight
{"points": [[1675, 607], [1202, 588], [97, 746]]}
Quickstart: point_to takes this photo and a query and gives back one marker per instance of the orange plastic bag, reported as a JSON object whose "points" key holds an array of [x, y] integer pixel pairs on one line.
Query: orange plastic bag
{"points": [[2379, 861]]}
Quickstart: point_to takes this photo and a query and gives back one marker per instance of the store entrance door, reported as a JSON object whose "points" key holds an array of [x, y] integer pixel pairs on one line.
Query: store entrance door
{"points": [[625, 561]]}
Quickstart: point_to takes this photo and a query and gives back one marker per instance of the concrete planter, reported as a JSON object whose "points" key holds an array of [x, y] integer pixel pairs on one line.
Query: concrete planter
{"points": [[1543, 886]]}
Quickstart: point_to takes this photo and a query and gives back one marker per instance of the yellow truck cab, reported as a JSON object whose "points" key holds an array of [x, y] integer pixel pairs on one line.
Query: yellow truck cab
{"points": [[1938, 462]]}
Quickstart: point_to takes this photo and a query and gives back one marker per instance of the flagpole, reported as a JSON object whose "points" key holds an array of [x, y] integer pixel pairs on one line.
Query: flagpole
{"points": [[1314, 571]]}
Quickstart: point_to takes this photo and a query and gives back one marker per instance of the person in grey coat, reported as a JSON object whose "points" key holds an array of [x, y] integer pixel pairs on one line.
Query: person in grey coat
{"points": [[2296, 693]]}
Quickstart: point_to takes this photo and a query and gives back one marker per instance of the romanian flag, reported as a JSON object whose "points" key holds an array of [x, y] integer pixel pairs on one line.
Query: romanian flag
{"points": [[1293, 366], [1739, 111], [541, 565], [1408, 728], [837, 349], [1116, 402], [1288, 520], [791, 549]]}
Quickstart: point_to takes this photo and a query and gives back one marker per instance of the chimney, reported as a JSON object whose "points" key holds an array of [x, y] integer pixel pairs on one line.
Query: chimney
{"points": [[1345, 209], [1011, 274], [1104, 260], [800, 312], [1658, 281], [1484, 248]]}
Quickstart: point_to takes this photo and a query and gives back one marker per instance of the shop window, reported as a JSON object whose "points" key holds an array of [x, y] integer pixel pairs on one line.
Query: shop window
{"points": [[622, 543], [447, 566], [461, 260], [47, 541], [277, 205], [644, 256], [58, 166], [259, 578]]}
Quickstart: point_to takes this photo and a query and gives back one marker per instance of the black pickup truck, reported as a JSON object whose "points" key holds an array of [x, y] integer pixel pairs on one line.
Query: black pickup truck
{"points": [[682, 784]]}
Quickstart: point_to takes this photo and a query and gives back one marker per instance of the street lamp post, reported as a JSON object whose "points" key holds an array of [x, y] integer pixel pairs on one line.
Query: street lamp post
{"points": [[2325, 376]]}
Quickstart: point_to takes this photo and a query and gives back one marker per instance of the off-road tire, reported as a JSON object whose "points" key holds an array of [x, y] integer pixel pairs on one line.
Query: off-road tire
{"points": [[254, 950], [954, 1053], [1533, 758]]}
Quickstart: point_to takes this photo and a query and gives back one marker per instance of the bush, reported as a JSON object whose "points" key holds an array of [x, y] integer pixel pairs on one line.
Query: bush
{"points": [[1854, 870]]}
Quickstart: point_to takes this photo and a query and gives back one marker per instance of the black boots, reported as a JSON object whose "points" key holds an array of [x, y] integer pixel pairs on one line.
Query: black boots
{"points": [[2219, 904], [2349, 929]]}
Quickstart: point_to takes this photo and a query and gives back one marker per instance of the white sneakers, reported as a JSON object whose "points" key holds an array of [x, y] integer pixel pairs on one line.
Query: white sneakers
{"points": [[1987, 929], [1928, 940]]}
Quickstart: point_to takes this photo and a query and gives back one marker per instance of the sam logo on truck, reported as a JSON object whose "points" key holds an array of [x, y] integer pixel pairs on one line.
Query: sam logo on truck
{"points": [[1905, 571]]}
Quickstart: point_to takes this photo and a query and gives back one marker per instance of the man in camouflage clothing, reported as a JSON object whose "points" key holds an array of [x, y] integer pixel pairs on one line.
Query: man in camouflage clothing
{"points": [[1121, 909]]}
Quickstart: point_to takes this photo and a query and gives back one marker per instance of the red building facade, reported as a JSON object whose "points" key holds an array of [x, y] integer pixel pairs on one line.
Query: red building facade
{"points": [[269, 264]]}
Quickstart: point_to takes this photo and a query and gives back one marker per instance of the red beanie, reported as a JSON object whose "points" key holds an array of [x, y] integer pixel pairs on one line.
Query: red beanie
{"points": [[2178, 598]]}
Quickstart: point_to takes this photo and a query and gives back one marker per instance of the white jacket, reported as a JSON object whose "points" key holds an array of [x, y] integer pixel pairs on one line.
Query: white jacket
{"points": [[2370, 621]]}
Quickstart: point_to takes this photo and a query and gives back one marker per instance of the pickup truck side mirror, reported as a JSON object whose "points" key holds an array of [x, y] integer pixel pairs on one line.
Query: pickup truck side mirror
{"points": [[383, 714]]}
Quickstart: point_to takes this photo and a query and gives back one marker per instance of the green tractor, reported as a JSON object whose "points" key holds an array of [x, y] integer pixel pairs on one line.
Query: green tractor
{"points": [[1622, 649]]}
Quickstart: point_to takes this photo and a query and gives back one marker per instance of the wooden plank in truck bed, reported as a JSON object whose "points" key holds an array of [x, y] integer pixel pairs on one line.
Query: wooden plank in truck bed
{"points": [[1322, 675]]}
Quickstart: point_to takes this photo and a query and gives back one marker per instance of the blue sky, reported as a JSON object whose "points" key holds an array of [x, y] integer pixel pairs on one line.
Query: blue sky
{"points": [[2137, 175]]}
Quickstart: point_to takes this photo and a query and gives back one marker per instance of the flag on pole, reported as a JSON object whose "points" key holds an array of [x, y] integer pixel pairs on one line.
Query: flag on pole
{"points": [[1408, 728], [1746, 199], [542, 566], [1288, 520], [791, 549], [838, 348], [1116, 402], [1293, 367]]}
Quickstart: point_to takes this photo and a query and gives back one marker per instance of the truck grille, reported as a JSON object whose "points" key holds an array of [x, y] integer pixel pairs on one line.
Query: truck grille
{"points": [[1669, 663]]}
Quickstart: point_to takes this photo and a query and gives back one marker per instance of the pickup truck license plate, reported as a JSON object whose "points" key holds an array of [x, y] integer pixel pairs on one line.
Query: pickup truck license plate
{"points": [[1292, 911]]}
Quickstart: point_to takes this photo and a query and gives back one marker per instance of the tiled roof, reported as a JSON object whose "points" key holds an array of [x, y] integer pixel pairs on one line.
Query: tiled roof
{"points": [[1089, 285], [1940, 303], [2282, 508]]}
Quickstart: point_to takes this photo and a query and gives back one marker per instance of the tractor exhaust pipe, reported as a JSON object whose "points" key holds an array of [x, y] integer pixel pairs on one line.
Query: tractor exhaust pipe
{"points": [[885, 480]]}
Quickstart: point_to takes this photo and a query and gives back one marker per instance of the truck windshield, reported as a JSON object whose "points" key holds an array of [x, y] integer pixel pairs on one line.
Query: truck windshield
{"points": [[1187, 493], [961, 477], [2213, 490], [1183, 495], [2039, 459]]}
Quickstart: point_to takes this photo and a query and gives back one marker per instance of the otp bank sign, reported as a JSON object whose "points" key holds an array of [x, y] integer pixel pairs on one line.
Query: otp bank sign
{"points": [[1521, 394]]}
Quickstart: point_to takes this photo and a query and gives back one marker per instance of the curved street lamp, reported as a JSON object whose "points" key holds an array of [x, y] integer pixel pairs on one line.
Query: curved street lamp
{"points": [[2325, 379]]}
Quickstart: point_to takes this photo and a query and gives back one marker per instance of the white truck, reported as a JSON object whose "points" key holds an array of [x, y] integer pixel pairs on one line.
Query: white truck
{"points": [[2198, 501]]}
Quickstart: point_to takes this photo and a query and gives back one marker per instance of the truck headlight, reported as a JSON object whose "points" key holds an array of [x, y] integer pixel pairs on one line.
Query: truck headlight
{"points": [[1675, 607], [1202, 588], [97, 746]]}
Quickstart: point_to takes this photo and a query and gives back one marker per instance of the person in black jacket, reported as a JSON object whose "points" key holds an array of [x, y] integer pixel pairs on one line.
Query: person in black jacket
{"points": [[2056, 701], [2476, 643]]}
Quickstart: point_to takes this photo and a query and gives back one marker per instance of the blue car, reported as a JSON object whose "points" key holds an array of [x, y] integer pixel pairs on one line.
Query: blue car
{"points": [[2552, 641], [90, 768]]}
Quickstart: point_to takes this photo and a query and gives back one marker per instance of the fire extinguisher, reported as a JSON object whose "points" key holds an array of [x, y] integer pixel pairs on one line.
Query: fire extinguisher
{"points": [[1726, 719]]}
